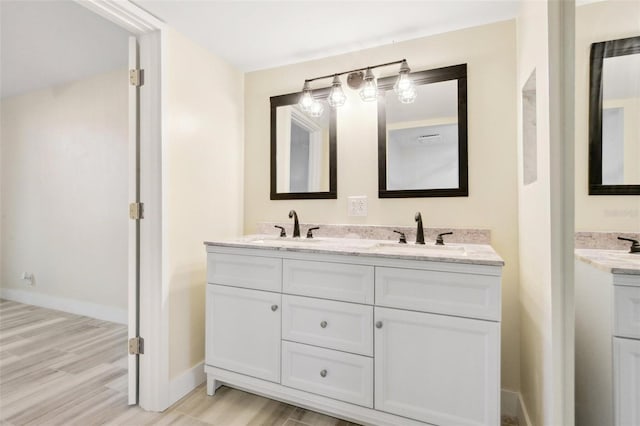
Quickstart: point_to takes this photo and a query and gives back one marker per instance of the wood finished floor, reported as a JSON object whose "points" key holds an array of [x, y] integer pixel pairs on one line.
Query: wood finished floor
{"points": [[64, 369]]}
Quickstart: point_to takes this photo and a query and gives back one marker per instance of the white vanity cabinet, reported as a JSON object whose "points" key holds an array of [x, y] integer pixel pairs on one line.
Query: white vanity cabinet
{"points": [[607, 351], [378, 341]]}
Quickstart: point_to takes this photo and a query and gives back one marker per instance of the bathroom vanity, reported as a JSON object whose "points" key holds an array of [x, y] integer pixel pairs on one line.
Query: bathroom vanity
{"points": [[607, 333], [371, 331]]}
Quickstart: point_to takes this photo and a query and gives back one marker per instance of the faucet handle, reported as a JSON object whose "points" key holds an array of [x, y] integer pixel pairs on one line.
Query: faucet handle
{"points": [[282, 231], [440, 240], [635, 244], [403, 237], [310, 231]]}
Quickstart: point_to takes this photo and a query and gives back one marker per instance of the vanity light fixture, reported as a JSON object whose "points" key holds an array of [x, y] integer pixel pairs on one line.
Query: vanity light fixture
{"points": [[404, 88]]}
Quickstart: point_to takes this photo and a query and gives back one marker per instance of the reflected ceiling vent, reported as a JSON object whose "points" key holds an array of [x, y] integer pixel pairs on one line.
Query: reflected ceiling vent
{"points": [[424, 139]]}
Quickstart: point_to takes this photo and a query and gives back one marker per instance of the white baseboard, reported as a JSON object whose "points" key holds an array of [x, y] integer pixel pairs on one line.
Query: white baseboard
{"points": [[186, 382], [72, 306], [512, 405]]}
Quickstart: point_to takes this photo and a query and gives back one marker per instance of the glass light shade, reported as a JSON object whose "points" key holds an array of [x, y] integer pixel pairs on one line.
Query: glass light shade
{"points": [[370, 90], [407, 96], [306, 99], [403, 83], [316, 109], [336, 98]]}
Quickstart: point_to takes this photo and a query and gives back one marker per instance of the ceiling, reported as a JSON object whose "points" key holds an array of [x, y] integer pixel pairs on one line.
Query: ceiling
{"points": [[47, 43], [254, 35]]}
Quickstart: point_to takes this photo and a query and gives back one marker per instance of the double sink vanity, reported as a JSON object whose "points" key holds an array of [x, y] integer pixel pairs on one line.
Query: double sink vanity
{"points": [[372, 331]]}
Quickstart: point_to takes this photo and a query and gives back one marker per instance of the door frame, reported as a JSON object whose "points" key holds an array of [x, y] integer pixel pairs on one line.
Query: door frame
{"points": [[153, 385]]}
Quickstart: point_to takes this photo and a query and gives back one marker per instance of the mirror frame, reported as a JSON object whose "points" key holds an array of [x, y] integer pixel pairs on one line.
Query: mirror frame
{"points": [[292, 99], [600, 51], [455, 72]]}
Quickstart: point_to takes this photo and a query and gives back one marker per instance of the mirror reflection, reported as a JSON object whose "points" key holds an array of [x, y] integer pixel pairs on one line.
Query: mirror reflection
{"points": [[621, 120], [422, 145], [302, 149], [422, 138]]}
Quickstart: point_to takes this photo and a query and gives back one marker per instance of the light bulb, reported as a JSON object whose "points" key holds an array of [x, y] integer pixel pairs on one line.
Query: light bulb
{"points": [[370, 90], [316, 109], [306, 99], [404, 87], [337, 97], [407, 96]]}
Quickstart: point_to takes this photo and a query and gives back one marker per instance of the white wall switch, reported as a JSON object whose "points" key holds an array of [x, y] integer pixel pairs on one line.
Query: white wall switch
{"points": [[357, 205]]}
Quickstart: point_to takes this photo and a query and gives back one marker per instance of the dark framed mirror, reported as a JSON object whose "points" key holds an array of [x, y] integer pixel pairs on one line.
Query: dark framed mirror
{"points": [[614, 117], [303, 149], [422, 145]]}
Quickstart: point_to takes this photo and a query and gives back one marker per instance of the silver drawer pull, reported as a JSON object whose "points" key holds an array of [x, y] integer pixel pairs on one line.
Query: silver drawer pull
{"points": [[323, 324], [379, 324], [274, 308], [323, 373]]}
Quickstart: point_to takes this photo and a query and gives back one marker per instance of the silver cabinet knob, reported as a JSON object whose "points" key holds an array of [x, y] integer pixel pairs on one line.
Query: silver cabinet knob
{"points": [[274, 308], [379, 324], [323, 324], [323, 373]]}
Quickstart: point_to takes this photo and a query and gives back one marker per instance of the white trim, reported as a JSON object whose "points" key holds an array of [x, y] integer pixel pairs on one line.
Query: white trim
{"points": [[154, 293], [186, 382], [124, 14], [72, 306]]}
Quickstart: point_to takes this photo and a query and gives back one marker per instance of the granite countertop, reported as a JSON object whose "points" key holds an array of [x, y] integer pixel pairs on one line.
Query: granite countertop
{"points": [[613, 261], [478, 254]]}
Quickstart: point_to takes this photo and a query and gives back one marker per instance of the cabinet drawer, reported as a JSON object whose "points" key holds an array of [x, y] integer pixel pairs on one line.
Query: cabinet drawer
{"points": [[259, 273], [336, 325], [334, 374], [452, 293], [338, 281], [627, 311]]}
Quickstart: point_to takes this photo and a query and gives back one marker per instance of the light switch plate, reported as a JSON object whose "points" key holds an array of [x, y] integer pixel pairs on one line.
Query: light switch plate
{"points": [[357, 205]]}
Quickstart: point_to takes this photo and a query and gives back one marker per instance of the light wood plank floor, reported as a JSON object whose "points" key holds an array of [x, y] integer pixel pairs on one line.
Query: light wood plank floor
{"points": [[63, 369]]}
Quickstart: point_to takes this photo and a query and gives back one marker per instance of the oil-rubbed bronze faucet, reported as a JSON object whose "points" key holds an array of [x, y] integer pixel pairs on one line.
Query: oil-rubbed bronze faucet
{"points": [[635, 244], [296, 224], [420, 231]]}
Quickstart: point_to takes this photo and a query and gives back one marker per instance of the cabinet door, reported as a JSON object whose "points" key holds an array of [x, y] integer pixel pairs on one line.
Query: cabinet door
{"points": [[243, 331], [626, 381], [438, 369]]}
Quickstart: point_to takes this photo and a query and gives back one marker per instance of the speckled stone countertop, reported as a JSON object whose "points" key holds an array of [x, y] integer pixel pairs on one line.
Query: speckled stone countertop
{"points": [[477, 254], [613, 261]]}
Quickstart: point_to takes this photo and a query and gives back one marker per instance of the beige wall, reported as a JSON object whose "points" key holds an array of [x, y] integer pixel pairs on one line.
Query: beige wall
{"points": [[489, 52], [534, 219], [202, 183], [601, 21], [64, 191]]}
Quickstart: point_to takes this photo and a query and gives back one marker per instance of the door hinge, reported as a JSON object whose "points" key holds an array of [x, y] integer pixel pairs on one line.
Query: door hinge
{"points": [[136, 346], [136, 211], [136, 77]]}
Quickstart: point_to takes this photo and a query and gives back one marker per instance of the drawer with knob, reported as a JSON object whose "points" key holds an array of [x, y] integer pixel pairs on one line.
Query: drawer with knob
{"points": [[334, 325], [343, 376]]}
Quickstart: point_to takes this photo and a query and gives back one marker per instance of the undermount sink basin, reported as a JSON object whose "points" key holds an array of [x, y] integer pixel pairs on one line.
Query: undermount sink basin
{"points": [[423, 249]]}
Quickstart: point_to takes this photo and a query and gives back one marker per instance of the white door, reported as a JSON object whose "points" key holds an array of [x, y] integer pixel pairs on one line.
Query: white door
{"points": [[439, 369], [243, 331], [134, 225], [626, 381]]}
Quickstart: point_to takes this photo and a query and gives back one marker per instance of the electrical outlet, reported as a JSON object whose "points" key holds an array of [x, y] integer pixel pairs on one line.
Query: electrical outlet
{"points": [[357, 205], [28, 278]]}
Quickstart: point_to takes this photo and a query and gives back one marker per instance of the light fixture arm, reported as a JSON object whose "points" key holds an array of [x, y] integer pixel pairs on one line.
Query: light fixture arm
{"points": [[354, 70]]}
